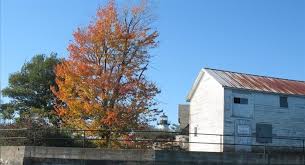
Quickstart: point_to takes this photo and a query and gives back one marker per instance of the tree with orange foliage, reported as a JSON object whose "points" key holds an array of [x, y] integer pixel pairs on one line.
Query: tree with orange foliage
{"points": [[102, 85]]}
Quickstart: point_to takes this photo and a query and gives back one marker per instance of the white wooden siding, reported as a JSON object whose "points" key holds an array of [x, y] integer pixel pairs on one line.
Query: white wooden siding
{"points": [[212, 111], [289, 122], [206, 113]]}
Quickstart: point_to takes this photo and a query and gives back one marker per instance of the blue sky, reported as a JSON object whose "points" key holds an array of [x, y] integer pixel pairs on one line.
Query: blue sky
{"points": [[252, 36]]}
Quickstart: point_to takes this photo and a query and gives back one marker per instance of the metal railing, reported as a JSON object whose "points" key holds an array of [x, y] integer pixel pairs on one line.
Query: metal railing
{"points": [[147, 139]]}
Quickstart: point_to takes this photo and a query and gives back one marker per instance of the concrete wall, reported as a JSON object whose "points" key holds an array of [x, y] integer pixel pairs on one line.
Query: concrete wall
{"points": [[263, 108], [12, 155], [85, 156], [206, 114]]}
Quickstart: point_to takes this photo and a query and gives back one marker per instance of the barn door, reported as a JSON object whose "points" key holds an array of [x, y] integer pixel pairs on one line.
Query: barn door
{"points": [[243, 139]]}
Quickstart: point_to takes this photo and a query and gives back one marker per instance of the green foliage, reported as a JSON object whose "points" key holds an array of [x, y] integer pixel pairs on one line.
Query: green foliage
{"points": [[29, 90], [37, 135]]}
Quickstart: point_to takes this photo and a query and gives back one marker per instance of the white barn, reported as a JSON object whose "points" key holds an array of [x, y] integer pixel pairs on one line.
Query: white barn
{"points": [[242, 107]]}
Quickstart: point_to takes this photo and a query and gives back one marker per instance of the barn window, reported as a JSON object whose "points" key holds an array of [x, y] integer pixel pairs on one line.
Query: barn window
{"points": [[195, 131], [283, 102], [263, 133], [238, 100]]}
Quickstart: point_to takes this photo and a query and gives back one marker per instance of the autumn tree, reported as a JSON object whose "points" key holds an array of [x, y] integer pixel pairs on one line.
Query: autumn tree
{"points": [[103, 83]]}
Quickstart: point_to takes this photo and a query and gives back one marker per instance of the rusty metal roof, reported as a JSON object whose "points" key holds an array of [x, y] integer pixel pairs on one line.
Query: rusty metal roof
{"points": [[258, 83]]}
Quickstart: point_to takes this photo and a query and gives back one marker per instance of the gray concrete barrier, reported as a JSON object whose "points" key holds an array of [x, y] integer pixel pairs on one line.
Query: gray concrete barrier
{"points": [[29, 155]]}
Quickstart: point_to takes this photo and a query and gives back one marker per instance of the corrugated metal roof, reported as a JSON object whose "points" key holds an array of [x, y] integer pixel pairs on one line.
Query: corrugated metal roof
{"points": [[257, 83]]}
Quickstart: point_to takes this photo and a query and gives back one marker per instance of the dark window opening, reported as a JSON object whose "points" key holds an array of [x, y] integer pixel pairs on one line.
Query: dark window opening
{"points": [[283, 102], [238, 100], [263, 133]]}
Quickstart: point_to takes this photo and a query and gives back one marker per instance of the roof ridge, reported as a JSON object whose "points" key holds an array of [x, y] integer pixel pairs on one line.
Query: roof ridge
{"points": [[256, 75]]}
